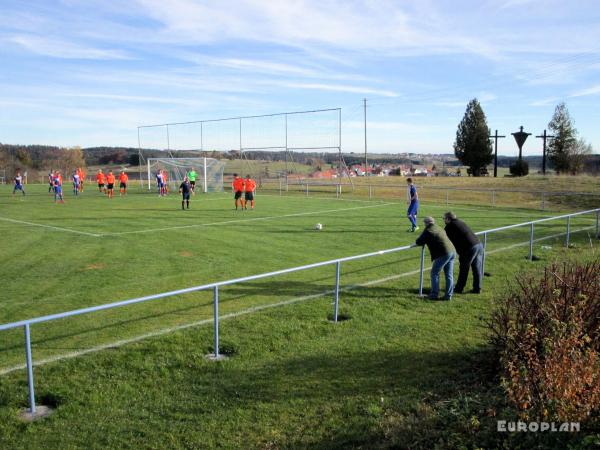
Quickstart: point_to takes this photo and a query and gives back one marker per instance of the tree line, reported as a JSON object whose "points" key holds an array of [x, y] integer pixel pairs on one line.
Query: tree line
{"points": [[567, 153]]}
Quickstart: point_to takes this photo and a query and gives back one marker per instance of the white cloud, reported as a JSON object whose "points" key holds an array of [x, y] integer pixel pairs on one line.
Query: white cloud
{"points": [[593, 90], [62, 49]]}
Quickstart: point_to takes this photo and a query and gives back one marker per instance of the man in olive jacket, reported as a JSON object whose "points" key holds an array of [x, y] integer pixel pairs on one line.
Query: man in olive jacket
{"points": [[442, 255], [469, 249]]}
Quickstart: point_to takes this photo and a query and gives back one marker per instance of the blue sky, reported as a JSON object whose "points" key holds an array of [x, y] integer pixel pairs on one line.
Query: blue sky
{"points": [[86, 72]]}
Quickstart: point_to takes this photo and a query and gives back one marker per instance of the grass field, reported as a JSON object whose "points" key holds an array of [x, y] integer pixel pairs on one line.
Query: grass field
{"points": [[294, 379]]}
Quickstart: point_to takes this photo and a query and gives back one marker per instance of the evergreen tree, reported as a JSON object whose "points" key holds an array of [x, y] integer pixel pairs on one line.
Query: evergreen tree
{"points": [[563, 145], [473, 147]]}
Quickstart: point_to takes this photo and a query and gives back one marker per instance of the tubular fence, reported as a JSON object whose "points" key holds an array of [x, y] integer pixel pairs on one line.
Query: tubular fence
{"points": [[494, 197], [26, 324]]}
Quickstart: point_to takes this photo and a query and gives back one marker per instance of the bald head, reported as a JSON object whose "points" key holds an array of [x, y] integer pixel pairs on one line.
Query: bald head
{"points": [[428, 220]]}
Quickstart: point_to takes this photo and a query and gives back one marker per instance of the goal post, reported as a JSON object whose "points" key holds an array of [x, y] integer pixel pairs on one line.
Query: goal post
{"points": [[209, 171]]}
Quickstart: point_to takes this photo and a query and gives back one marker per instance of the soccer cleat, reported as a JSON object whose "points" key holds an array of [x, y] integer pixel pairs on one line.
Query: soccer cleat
{"points": [[416, 229]]}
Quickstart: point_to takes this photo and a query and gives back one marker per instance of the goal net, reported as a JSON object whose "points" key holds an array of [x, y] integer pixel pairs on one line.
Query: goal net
{"points": [[209, 172]]}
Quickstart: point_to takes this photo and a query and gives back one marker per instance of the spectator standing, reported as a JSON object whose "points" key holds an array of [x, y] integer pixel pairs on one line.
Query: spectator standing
{"points": [[442, 256], [469, 249]]}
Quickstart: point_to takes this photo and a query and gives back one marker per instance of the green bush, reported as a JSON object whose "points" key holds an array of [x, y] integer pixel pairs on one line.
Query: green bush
{"points": [[519, 169]]}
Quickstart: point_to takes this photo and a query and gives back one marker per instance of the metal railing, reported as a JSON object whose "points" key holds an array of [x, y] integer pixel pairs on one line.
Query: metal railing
{"points": [[537, 196], [26, 324]]}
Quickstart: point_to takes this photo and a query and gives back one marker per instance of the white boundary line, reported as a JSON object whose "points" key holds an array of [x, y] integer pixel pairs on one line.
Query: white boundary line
{"points": [[241, 221], [50, 227], [250, 311]]}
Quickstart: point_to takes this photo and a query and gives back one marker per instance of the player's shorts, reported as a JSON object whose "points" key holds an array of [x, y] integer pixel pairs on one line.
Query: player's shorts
{"points": [[193, 183], [161, 185], [109, 186], [100, 185], [249, 196], [238, 195], [18, 187], [75, 185], [186, 195], [413, 208], [58, 189], [123, 185]]}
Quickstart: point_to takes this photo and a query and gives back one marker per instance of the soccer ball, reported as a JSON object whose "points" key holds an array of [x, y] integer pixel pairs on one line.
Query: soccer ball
{"points": [[318, 226]]}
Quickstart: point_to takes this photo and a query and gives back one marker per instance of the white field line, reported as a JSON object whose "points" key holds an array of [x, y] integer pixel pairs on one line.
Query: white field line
{"points": [[249, 311], [69, 230], [240, 221]]}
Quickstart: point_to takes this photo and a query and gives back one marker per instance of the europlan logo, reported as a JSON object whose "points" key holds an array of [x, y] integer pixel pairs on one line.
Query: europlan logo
{"points": [[505, 426]]}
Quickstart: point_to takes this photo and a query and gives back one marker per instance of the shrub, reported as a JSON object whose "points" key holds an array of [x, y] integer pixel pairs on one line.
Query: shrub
{"points": [[519, 169], [547, 334]]}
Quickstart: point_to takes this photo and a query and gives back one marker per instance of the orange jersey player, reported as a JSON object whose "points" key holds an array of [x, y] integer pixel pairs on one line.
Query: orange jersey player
{"points": [[250, 187], [238, 189], [165, 181], [123, 178], [101, 179], [110, 184], [81, 178]]}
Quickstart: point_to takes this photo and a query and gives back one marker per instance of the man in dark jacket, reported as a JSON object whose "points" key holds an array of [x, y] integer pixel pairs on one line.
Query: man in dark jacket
{"points": [[469, 249], [442, 255]]}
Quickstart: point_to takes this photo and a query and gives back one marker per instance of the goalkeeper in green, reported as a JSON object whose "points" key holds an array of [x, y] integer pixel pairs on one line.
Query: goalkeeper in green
{"points": [[192, 178]]}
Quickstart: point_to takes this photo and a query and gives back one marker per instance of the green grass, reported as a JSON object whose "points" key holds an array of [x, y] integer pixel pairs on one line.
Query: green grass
{"points": [[295, 379]]}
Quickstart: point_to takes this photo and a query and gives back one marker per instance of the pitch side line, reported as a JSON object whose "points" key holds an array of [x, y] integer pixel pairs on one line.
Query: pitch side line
{"points": [[240, 221], [50, 227], [251, 310]]}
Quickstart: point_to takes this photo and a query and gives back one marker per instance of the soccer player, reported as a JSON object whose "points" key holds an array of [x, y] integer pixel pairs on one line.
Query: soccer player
{"points": [[81, 178], [101, 180], [250, 187], [110, 183], [123, 178], [238, 189], [57, 184], [165, 177], [413, 205], [185, 188], [50, 181], [192, 177], [18, 183], [160, 183], [76, 182]]}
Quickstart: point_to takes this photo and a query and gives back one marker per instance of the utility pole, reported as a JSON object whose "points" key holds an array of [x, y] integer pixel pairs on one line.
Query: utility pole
{"points": [[366, 161], [496, 137], [544, 137]]}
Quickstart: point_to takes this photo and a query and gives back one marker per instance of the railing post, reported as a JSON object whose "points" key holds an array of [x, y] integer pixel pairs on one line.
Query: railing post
{"points": [[446, 198], [337, 191], [29, 369], [568, 237], [307, 189], [493, 198], [370, 194], [336, 303], [216, 320], [483, 258], [543, 201], [280, 187], [421, 270], [531, 243], [597, 222]]}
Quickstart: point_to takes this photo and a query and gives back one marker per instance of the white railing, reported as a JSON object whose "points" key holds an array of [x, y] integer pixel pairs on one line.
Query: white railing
{"points": [[26, 324], [543, 197]]}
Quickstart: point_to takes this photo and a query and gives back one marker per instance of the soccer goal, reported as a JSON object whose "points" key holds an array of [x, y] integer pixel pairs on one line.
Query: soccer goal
{"points": [[209, 172]]}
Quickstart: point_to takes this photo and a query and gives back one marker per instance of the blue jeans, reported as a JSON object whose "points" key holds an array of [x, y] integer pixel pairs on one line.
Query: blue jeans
{"points": [[445, 262]]}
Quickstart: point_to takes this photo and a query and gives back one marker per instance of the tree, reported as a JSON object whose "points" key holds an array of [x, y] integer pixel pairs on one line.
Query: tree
{"points": [[562, 146], [473, 146], [580, 153]]}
